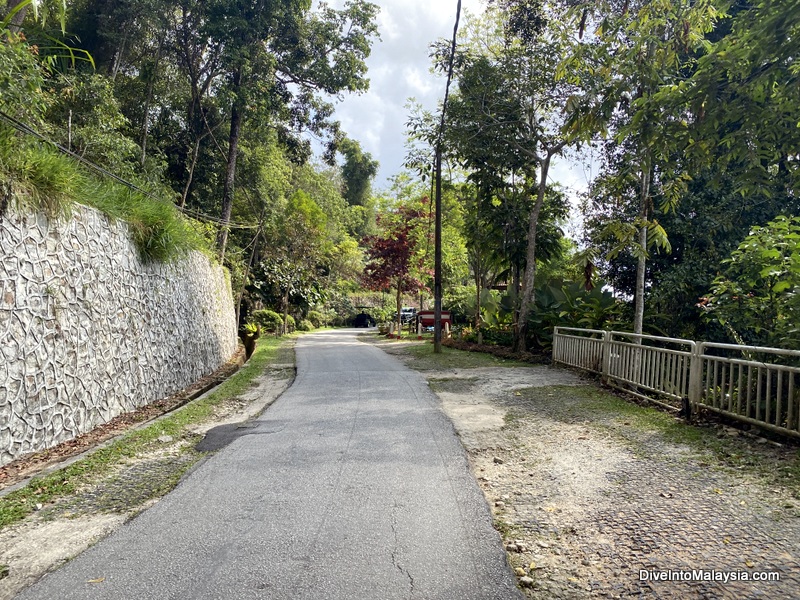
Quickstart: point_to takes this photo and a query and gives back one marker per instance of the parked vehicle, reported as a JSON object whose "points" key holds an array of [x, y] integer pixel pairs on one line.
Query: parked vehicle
{"points": [[407, 314]]}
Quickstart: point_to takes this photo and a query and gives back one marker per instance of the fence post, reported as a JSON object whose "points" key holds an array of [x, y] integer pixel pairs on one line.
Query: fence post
{"points": [[606, 368], [696, 374], [556, 352]]}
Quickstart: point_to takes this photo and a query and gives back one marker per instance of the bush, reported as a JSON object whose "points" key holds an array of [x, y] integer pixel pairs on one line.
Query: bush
{"points": [[568, 304], [269, 320], [291, 325], [317, 318], [380, 315], [305, 325], [756, 297]]}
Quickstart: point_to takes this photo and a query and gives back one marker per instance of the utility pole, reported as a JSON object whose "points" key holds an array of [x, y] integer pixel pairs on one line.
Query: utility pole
{"points": [[437, 235]]}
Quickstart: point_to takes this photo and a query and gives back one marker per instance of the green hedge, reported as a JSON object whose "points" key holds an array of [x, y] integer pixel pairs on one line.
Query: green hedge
{"points": [[269, 320]]}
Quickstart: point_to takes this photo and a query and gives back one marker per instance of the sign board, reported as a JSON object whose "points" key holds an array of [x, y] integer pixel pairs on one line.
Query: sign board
{"points": [[426, 318]]}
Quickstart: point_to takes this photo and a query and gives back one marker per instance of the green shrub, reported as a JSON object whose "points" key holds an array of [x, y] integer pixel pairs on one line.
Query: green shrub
{"points": [[22, 78], [269, 320], [291, 325], [380, 315], [317, 318], [97, 123], [569, 304], [756, 297], [305, 325]]}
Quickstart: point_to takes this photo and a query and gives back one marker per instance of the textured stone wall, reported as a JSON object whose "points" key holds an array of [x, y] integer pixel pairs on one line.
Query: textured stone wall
{"points": [[88, 332]]}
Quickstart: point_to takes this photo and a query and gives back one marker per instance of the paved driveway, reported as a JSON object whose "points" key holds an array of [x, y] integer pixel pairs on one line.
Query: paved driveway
{"points": [[353, 485]]}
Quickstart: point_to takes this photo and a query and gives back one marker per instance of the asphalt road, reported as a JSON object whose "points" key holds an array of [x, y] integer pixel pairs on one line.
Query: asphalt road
{"points": [[353, 485]]}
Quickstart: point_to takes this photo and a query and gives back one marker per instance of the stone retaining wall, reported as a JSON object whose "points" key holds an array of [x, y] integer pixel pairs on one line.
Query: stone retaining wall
{"points": [[88, 332]]}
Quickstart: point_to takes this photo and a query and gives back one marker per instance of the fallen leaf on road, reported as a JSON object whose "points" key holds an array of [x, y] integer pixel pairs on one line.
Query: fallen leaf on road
{"points": [[98, 580], [666, 495]]}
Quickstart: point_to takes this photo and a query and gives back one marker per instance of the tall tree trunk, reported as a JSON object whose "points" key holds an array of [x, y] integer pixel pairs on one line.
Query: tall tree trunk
{"points": [[148, 98], [478, 289], [188, 186], [644, 199], [230, 170], [530, 260], [118, 58], [641, 264], [513, 289], [247, 270], [16, 22]]}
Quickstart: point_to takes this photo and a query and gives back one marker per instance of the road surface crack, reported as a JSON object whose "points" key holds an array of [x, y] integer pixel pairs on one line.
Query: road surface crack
{"points": [[396, 552]]}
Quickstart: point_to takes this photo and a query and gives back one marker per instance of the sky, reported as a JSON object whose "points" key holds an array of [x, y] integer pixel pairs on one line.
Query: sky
{"points": [[399, 69]]}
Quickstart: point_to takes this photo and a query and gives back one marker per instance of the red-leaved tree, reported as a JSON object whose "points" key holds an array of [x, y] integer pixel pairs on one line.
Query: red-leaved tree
{"points": [[394, 260]]}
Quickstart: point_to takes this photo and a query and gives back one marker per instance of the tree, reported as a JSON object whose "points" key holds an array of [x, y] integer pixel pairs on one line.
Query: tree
{"points": [[295, 255], [708, 224], [507, 119], [743, 97], [276, 56], [15, 11], [757, 297], [344, 257], [358, 172], [392, 255], [634, 50]]}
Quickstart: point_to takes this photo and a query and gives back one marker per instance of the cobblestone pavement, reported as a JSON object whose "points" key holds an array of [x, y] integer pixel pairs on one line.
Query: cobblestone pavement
{"points": [[587, 500]]}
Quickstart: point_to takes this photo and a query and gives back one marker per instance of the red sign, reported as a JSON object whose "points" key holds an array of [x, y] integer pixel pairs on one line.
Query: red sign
{"points": [[426, 318]]}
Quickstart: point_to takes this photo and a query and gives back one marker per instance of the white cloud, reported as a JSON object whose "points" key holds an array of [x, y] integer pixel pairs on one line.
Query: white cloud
{"points": [[417, 82], [399, 69]]}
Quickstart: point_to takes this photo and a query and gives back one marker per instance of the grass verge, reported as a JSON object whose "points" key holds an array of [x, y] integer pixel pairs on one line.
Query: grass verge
{"points": [[423, 358], [43, 490]]}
